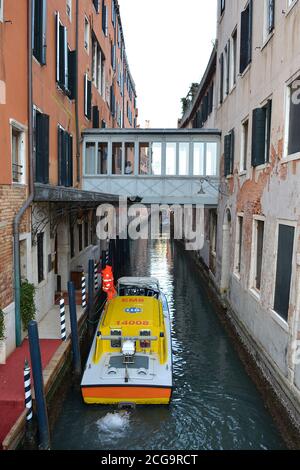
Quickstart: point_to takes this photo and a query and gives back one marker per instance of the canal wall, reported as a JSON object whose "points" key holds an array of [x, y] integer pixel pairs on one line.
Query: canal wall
{"points": [[282, 403]]}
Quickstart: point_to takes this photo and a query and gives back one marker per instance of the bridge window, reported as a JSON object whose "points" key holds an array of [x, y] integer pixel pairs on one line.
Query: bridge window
{"points": [[156, 158], [129, 158], [102, 159], [199, 153], [184, 158], [211, 159], [117, 159], [90, 158], [144, 159], [171, 158]]}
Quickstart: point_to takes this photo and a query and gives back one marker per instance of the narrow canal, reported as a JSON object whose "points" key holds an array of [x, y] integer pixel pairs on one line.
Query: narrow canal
{"points": [[215, 405]]}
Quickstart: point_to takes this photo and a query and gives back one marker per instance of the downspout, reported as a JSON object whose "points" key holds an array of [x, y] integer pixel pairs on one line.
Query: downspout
{"points": [[26, 205], [76, 95]]}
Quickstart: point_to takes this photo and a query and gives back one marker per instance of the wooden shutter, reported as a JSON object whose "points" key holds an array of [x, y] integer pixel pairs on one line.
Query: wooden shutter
{"points": [[44, 33], [271, 18], [89, 99], [269, 127], [104, 17], [232, 145], [62, 54], [221, 77], [96, 120], [227, 154], [228, 68], [57, 47], [258, 136], [284, 270], [40, 256], [69, 159], [42, 148], [62, 165], [72, 74], [244, 40], [96, 5]]}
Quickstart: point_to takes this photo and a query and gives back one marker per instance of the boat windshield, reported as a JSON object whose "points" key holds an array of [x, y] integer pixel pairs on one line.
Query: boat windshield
{"points": [[140, 291]]}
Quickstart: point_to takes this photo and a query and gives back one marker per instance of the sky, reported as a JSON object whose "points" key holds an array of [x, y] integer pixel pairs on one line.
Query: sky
{"points": [[168, 45]]}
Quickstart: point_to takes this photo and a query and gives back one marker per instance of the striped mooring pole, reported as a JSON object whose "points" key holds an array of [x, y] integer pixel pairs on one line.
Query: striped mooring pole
{"points": [[27, 391], [96, 277], [62, 319], [83, 291]]}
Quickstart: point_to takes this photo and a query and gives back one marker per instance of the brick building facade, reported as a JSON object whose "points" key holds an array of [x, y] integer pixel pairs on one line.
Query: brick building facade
{"points": [[80, 79]]}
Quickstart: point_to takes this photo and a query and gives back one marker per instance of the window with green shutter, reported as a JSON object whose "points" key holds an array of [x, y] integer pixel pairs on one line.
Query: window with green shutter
{"points": [[229, 153], [39, 30], [261, 134], [246, 37]]}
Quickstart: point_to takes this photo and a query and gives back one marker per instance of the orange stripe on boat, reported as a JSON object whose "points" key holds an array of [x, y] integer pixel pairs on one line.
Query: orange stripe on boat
{"points": [[126, 392]]}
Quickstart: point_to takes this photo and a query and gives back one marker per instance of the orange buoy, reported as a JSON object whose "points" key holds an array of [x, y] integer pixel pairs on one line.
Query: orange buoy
{"points": [[108, 282]]}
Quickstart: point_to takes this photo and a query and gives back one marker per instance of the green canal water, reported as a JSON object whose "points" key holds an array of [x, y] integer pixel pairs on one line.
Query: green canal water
{"points": [[215, 405]]}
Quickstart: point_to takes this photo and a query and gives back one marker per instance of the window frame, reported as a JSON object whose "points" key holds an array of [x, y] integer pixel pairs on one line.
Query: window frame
{"points": [[21, 129], [253, 267], [1, 11], [244, 146], [288, 88], [284, 323], [239, 241]]}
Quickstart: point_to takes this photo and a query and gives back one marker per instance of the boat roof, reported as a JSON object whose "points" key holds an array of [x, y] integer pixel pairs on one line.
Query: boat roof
{"points": [[145, 310], [152, 282]]}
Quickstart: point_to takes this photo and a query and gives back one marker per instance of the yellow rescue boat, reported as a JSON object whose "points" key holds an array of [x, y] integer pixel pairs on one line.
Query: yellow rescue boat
{"points": [[130, 362]]}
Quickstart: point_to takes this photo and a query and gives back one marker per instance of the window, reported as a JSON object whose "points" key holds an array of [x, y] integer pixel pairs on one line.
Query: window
{"points": [[62, 59], [98, 68], [227, 69], [69, 9], [40, 257], [112, 104], [244, 149], [222, 6], [238, 245], [184, 149], [79, 228], [144, 159], [261, 134], [213, 224], [102, 159], [72, 242], [257, 253], [86, 233], [221, 62], [199, 159], [233, 53], [104, 18], [246, 37], [269, 19], [286, 235], [229, 153], [90, 158], [1, 10], [41, 148], [87, 97], [97, 5], [211, 159], [171, 158], [156, 151], [113, 13], [129, 158], [86, 34], [292, 135], [39, 26], [18, 153], [117, 159], [65, 158]]}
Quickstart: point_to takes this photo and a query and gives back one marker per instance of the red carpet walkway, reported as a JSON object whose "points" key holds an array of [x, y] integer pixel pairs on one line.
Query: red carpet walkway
{"points": [[12, 382]]}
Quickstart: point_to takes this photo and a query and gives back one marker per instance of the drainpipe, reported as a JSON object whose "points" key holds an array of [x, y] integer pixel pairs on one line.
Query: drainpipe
{"points": [[76, 95], [26, 205]]}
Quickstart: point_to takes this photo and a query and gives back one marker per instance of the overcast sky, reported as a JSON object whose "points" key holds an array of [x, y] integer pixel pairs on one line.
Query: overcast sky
{"points": [[168, 45]]}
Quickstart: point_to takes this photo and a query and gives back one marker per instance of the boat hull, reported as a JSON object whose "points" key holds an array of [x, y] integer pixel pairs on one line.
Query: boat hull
{"points": [[139, 395]]}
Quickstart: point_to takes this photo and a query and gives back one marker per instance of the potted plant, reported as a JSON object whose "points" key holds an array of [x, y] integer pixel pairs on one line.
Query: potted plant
{"points": [[28, 308], [2, 339]]}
